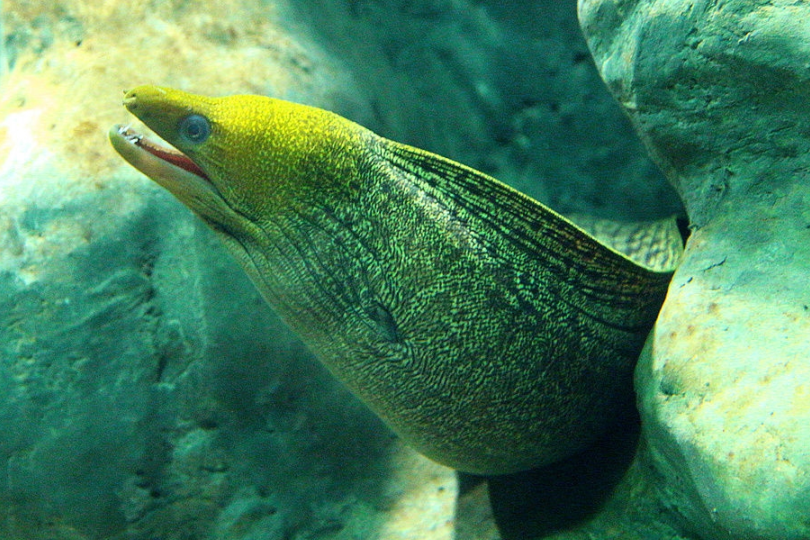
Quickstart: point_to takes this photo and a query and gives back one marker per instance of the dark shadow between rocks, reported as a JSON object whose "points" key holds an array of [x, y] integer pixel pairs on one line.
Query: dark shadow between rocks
{"points": [[566, 494]]}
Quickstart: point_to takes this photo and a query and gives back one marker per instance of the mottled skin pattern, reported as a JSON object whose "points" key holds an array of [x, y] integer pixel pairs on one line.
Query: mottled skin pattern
{"points": [[489, 332]]}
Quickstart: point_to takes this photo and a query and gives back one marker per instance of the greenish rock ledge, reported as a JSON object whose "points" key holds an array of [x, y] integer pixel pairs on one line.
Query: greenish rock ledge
{"points": [[719, 92]]}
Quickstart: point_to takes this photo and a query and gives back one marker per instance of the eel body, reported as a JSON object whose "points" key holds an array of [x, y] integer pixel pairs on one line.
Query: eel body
{"points": [[488, 331]]}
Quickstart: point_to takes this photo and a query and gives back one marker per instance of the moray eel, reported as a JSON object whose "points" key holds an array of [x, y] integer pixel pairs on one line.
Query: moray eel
{"points": [[489, 332]]}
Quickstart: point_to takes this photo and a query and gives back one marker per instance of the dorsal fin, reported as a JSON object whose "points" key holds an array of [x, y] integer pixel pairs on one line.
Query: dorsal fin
{"points": [[646, 247]]}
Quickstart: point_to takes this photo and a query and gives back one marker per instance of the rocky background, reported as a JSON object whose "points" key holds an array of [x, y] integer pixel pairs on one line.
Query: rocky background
{"points": [[720, 93], [146, 392]]}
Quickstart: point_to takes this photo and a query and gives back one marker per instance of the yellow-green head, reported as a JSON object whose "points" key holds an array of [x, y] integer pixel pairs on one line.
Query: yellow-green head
{"points": [[254, 152]]}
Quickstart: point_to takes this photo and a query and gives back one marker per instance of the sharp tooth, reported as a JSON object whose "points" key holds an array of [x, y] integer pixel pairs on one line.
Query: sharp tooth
{"points": [[130, 136]]}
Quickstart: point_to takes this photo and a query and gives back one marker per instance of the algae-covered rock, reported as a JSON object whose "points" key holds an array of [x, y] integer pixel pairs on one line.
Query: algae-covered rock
{"points": [[719, 92]]}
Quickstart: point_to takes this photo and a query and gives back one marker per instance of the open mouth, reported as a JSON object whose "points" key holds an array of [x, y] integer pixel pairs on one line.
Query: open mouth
{"points": [[166, 153], [175, 172]]}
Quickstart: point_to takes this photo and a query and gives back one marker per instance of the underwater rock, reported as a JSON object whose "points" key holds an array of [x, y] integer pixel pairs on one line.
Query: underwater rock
{"points": [[719, 92], [146, 391]]}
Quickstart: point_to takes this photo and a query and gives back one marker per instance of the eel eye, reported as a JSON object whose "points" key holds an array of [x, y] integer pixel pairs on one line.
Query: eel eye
{"points": [[194, 129]]}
